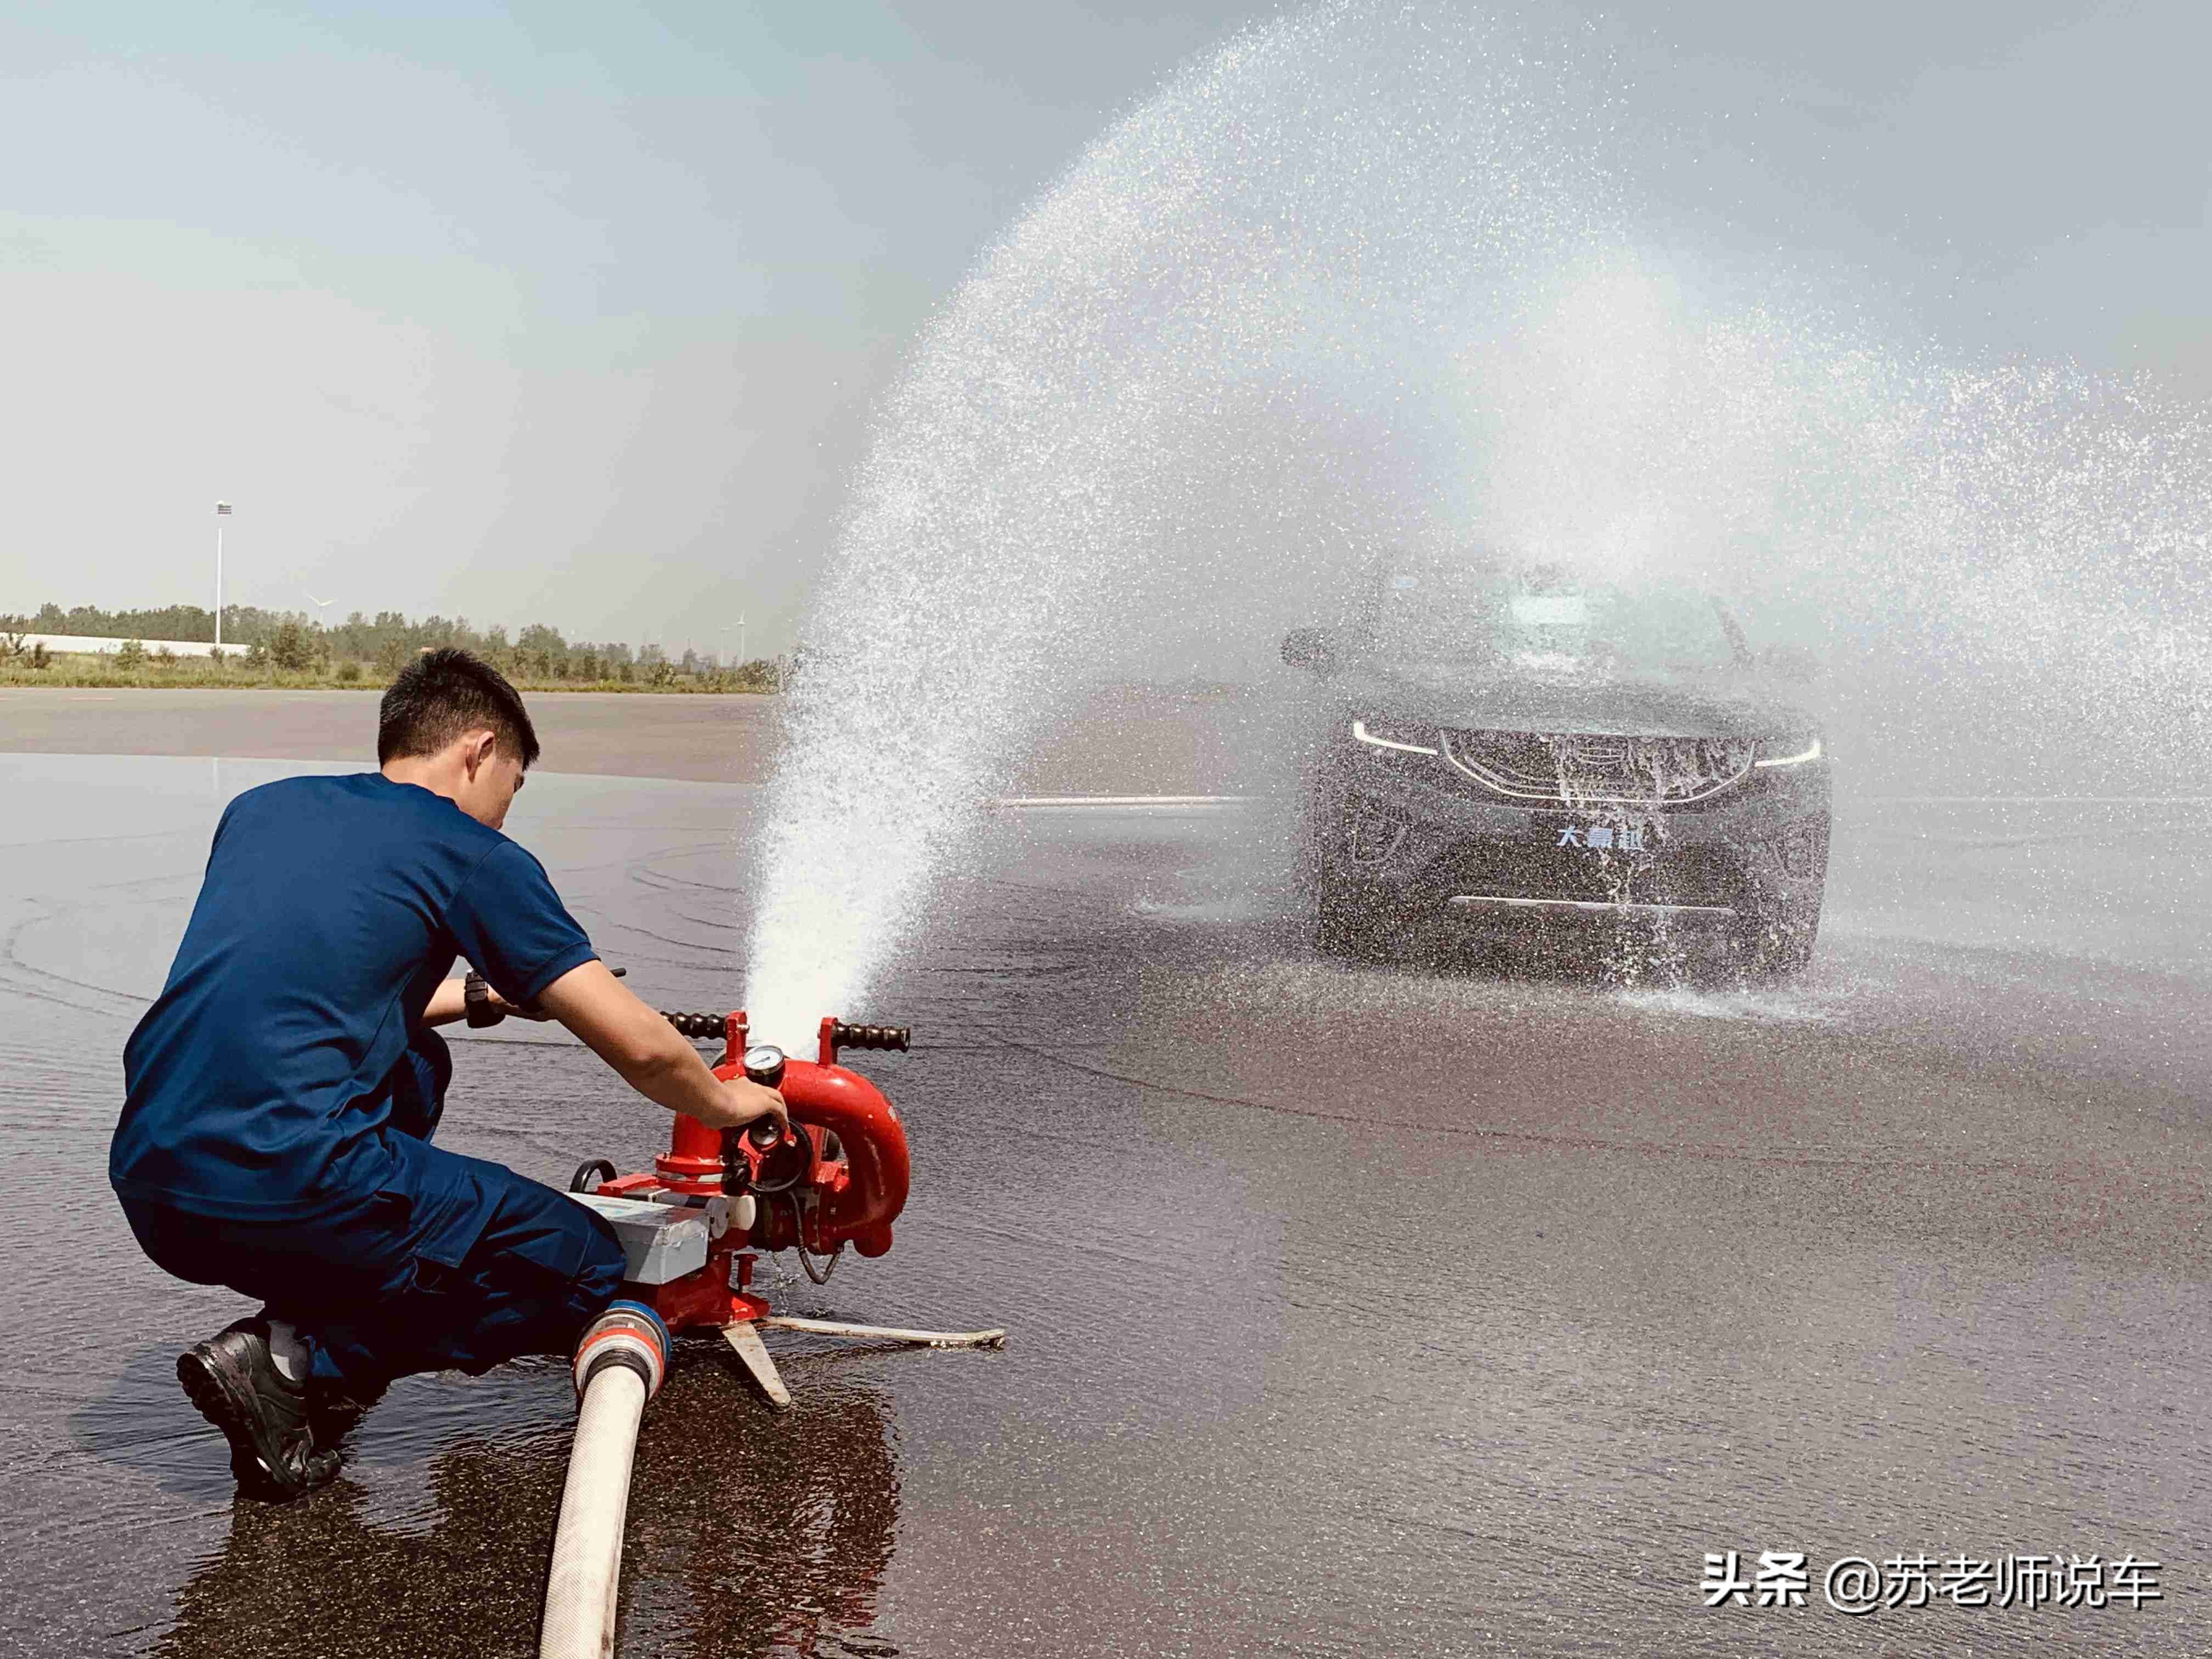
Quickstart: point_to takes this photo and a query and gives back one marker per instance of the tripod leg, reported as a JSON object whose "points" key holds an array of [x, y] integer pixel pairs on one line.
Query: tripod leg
{"points": [[992, 1338], [745, 1338]]}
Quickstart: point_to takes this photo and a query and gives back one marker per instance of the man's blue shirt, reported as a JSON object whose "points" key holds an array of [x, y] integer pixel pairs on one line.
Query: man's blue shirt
{"points": [[278, 1072]]}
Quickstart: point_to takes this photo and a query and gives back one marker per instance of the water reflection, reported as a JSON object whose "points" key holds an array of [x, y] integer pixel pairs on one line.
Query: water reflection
{"points": [[778, 1528], [750, 1534]]}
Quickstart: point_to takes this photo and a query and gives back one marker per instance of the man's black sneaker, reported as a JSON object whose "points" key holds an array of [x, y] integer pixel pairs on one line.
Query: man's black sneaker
{"points": [[237, 1386], [333, 1408]]}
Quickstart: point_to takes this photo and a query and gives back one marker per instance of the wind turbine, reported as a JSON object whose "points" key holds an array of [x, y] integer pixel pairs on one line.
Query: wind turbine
{"points": [[322, 605]]}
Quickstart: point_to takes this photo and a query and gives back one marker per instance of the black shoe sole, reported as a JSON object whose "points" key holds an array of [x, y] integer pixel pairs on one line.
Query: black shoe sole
{"points": [[213, 1397]]}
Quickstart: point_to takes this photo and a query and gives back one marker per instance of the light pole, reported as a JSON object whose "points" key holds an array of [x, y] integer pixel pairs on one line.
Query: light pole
{"points": [[221, 511], [738, 628]]}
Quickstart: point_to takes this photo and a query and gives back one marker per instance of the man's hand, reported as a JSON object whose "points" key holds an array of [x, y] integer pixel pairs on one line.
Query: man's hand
{"points": [[749, 1103]]}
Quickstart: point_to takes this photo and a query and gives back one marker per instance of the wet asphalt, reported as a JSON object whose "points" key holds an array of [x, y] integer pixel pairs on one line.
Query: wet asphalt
{"points": [[1354, 1309]]}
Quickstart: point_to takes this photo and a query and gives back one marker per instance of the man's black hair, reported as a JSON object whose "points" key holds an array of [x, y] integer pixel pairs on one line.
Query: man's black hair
{"points": [[444, 693]]}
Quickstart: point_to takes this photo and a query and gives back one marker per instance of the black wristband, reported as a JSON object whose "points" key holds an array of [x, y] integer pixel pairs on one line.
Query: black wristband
{"points": [[476, 999]]}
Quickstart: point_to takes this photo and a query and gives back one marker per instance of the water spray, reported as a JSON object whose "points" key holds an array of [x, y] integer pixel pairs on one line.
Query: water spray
{"points": [[1375, 274], [692, 1229]]}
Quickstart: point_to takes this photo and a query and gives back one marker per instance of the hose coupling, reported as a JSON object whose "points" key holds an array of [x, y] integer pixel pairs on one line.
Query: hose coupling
{"points": [[628, 1334]]}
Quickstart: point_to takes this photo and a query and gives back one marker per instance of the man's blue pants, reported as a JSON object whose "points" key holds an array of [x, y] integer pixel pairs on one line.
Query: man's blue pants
{"points": [[457, 1264]]}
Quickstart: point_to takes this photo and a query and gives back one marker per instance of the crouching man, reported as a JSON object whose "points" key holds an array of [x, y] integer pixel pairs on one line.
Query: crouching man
{"points": [[283, 1090]]}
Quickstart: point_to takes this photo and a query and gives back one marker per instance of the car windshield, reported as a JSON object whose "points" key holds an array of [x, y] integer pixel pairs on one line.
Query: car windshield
{"points": [[1545, 620]]}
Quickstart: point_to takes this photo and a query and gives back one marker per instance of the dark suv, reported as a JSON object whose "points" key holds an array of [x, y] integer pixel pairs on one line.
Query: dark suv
{"points": [[1518, 755]]}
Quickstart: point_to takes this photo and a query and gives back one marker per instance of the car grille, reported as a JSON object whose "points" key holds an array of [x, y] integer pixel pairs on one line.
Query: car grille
{"points": [[1578, 770], [1698, 875]]}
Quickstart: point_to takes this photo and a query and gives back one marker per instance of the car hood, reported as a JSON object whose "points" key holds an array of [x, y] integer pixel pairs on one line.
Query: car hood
{"points": [[1738, 704]]}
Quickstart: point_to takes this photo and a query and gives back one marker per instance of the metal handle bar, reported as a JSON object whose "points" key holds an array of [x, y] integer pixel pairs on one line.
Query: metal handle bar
{"points": [[697, 1025], [894, 1037]]}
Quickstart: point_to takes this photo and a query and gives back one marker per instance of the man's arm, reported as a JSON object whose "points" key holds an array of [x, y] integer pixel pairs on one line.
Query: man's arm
{"points": [[450, 1002], [650, 1055]]}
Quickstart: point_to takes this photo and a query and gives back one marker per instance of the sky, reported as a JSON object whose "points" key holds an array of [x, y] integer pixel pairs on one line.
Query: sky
{"points": [[576, 314]]}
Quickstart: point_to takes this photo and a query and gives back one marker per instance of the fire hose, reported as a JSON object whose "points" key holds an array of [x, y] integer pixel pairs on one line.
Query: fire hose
{"points": [[620, 1364]]}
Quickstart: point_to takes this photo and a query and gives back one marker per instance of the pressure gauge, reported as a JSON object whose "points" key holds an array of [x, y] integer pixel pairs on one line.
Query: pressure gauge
{"points": [[764, 1064]]}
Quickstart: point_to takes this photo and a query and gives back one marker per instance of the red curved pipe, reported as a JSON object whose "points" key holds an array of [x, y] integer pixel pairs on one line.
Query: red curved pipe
{"points": [[860, 1208]]}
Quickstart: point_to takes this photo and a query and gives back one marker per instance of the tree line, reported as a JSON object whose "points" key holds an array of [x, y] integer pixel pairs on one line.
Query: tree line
{"points": [[295, 641]]}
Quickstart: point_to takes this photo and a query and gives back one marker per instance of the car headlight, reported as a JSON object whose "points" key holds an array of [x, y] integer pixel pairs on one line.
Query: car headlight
{"points": [[1388, 738], [1793, 751]]}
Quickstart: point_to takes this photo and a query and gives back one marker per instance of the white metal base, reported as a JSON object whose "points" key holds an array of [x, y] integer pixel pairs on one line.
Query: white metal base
{"points": [[744, 1339], [992, 1338]]}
